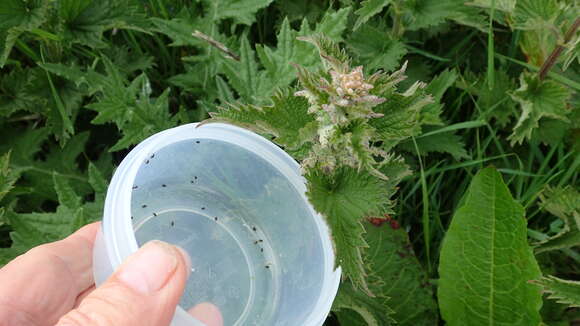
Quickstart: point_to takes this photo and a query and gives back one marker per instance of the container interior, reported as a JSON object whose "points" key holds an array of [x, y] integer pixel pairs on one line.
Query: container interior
{"points": [[255, 247]]}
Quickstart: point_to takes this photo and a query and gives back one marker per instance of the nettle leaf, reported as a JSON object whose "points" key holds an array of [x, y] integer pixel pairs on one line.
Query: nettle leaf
{"points": [[419, 14], [436, 88], [507, 6], [7, 176], [241, 11], [401, 117], [278, 62], [129, 105], [13, 93], [62, 102], [333, 24], [244, 75], [539, 20], [375, 49], [84, 21], [355, 308], [443, 142], [98, 183], [563, 291], [565, 204], [397, 274], [283, 120], [368, 9], [535, 14], [493, 103], [344, 199], [486, 264], [17, 17], [33, 229], [537, 99]]}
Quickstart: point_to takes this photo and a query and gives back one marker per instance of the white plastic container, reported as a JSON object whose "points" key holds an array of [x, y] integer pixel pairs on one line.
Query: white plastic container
{"points": [[236, 203]]}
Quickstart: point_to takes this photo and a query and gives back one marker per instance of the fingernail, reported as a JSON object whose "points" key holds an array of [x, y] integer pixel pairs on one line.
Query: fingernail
{"points": [[186, 258], [149, 269]]}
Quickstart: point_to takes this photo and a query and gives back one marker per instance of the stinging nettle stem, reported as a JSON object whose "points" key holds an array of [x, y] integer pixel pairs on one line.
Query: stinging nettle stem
{"points": [[216, 44], [551, 60]]}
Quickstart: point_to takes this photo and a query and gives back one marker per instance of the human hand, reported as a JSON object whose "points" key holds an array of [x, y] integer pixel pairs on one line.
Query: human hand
{"points": [[53, 284]]}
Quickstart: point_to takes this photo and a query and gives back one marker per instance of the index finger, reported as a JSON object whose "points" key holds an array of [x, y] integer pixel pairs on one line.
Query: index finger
{"points": [[42, 285]]}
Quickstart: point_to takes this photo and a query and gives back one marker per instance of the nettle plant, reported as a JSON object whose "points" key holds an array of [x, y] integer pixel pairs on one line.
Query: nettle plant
{"points": [[341, 124]]}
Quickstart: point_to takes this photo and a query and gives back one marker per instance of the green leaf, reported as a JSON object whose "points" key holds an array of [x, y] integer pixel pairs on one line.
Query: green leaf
{"points": [[368, 9], [344, 199], [445, 142], [419, 14], [283, 119], [243, 75], [277, 62], [537, 99], [66, 194], [355, 308], [565, 204], [436, 88], [502, 5], [7, 176], [493, 103], [535, 14], [84, 21], [486, 263], [242, 11], [563, 291], [98, 182], [333, 24], [375, 49], [395, 273], [17, 17]]}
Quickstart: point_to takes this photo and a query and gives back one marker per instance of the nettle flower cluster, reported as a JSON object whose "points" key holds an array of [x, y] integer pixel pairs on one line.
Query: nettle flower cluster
{"points": [[342, 100]]}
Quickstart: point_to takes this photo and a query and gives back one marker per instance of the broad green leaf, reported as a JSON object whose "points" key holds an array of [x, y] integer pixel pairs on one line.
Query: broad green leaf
{"points": [[345, 199], [368, 9], [565, 204], [486, 264], [537, 99], [242, 11], [563, 291], [375, 49]]}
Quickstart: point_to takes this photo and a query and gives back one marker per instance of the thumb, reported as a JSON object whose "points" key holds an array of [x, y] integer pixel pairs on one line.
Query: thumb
{"points": [[144, 291]]}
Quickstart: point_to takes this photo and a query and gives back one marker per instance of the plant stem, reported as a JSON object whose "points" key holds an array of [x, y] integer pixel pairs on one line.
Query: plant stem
{"points": [[551, 60]]}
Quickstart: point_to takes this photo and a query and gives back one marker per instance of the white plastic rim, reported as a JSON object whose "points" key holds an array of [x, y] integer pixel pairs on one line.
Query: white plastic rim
{"points": [[116, 239]]}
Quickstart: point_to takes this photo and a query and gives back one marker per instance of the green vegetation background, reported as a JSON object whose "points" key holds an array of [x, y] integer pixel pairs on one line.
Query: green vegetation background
{"points": [[83, 81]]}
